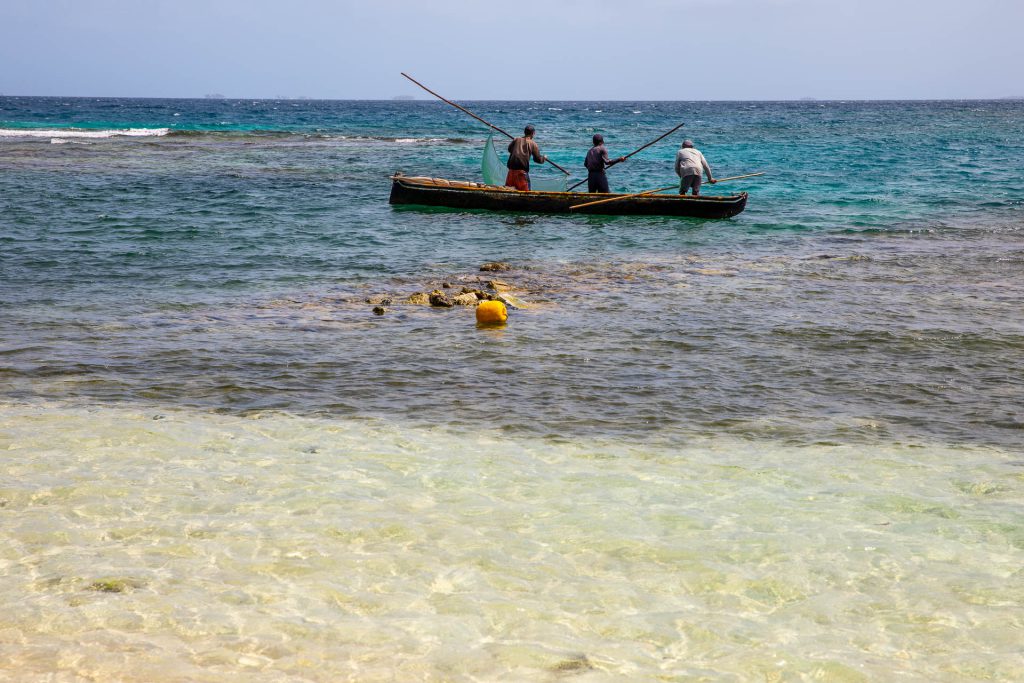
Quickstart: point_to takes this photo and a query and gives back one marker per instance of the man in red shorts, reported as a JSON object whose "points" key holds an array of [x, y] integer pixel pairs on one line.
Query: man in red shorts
{"points": [[519, 152]]}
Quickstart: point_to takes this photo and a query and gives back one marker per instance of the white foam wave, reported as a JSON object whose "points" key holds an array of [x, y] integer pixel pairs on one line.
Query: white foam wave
{"points": [[404, 141], [413, 140], [57, 133]]}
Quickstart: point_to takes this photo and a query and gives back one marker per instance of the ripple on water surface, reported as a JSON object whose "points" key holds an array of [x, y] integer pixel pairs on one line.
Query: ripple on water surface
{"points": [[187, 545], [783, 446]]}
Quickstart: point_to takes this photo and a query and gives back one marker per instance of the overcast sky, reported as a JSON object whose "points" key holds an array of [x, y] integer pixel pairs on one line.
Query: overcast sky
{"points": [[528, 49]]}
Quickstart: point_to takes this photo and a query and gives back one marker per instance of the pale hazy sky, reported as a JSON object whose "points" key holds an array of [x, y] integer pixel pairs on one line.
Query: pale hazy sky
{"points": [[525, 49]]}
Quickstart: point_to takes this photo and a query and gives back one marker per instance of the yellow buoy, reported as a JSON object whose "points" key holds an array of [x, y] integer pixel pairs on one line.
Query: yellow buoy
{"points": [[491, 313]]}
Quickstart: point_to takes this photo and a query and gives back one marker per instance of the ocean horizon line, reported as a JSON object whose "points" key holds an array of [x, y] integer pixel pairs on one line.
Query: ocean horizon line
{"points": [[405, 99]]}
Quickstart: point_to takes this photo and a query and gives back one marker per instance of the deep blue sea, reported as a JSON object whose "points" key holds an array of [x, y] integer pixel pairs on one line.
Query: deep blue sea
{"points": [[783, 446]]}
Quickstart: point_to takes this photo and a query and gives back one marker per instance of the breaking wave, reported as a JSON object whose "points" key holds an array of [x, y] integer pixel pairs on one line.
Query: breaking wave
{"points": [[59, 133], [68, 134], [318, 135]]}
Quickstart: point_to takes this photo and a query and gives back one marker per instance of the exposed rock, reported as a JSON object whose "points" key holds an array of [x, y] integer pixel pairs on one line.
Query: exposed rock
{"points": [[419, 298], [446, 285], [499, 285], [379, 310], [379, 300], [466, 299], [478, 293], [439, 298], [510, 301], [495, 267]]}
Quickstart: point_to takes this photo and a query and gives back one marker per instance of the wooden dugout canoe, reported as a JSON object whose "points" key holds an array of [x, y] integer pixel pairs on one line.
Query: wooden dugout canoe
{"points": [[456, 194]]}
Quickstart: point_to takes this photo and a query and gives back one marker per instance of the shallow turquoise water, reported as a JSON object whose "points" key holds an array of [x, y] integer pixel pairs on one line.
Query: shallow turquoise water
{"points": [[782, 445], [874, 277]]}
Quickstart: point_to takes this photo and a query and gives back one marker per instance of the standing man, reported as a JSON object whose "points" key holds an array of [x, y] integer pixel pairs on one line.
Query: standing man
{"points": [[689, 164], [519, 152], [596, 163]]}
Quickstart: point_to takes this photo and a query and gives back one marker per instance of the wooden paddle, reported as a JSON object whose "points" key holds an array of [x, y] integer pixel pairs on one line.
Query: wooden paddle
{"points": [[660, 189], [486, 123], [640, 149]]}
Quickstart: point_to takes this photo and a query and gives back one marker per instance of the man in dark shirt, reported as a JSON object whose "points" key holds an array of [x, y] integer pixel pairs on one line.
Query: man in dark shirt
{"points": [[596, 162], [519, 152]]}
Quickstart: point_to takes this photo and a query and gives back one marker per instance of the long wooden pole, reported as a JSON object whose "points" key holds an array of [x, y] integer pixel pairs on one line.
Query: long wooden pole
{"points": [[635, 151], [624, 196], [657, 139], [737, 177], [460, 108], [486, 123]]}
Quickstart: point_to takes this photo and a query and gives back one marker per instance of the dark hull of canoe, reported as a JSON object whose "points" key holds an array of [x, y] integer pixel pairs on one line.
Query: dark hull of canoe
{"points": [[404, 191]]}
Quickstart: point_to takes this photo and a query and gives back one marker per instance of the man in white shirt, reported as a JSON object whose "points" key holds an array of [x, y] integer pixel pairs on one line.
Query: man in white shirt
{"points": [[689, 165]]}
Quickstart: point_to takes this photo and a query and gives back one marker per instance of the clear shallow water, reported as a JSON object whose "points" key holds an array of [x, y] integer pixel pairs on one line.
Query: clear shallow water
{"points": [[286, 548], [672, 462]]}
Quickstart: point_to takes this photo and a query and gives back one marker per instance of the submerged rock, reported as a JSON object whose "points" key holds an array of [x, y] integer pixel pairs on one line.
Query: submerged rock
{"points": [[114, 585], [495, 267], [712, 271], [576, 663], [379, 310], [380, 299]]}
